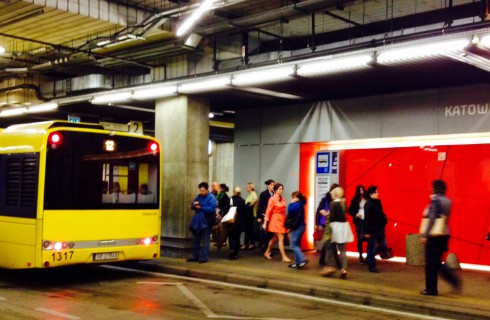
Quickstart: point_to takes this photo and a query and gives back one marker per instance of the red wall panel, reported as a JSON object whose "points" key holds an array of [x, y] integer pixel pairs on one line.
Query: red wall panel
{"points": [[404, 176]]}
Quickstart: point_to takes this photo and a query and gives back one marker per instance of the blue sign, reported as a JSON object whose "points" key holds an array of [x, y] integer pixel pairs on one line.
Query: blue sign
{"points": [[323, 162]]}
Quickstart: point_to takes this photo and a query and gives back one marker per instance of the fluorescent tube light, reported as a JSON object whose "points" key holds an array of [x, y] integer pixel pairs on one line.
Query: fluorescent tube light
{"points": [[158, 92], [103, 43], [484, 41], [13, 112], [43, 107], [194, 17], [112, 97], [2, 50], [16, 70], [205, 85], [417, 52], [317, 68], [263, 76], [129, 36]]}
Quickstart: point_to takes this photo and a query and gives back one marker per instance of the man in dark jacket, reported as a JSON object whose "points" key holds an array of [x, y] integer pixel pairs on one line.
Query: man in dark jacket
{"points": [[262, 207], [205, 202], [374, 227], [238, 226]]}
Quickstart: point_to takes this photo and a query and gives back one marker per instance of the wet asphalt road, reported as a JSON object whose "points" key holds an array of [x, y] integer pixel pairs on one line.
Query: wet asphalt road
{"points": [[107, 292]]}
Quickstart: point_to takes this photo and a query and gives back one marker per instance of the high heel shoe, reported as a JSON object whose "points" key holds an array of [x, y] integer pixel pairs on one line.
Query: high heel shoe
{"points": [[286, 260], [267, 256]]}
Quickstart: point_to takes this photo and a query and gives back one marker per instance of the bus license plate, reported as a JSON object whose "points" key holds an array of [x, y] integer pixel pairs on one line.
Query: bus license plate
{"points": [[106, 256]]}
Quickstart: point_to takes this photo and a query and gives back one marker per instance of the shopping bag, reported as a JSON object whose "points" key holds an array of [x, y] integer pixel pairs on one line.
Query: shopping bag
{"points": [[230, 216]]}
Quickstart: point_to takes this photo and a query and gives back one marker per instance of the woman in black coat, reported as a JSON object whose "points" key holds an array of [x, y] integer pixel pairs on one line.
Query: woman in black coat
{"points": [[236, 228], [374, 227], [356, 211], [223, 199]]}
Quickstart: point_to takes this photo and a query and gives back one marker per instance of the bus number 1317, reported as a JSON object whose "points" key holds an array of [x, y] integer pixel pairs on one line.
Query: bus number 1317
{"points": [[59, 256]]}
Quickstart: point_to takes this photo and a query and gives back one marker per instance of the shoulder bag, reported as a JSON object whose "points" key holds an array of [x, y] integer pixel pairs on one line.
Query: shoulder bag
{"points": [[438, 229]]}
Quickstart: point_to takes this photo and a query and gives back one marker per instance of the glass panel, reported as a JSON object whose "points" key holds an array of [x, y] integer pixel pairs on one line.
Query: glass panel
{"points": [[96, 171]]}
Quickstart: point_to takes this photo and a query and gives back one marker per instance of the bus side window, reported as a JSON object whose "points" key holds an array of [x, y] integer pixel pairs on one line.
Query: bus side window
{"points": [[146, 198], [127, 198], [106, 198]]}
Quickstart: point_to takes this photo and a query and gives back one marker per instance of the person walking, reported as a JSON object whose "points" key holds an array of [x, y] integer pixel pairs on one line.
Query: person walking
{"points": [[205, 204], [374, 227], [320, 221], [236, 228], [440, 205], [297, 208], [356, 211], [251, 204], [341, 233], [275, 216]]}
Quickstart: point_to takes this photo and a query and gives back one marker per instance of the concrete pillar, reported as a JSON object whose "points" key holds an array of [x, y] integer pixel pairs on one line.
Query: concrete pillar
{"points": [[182, 127]]}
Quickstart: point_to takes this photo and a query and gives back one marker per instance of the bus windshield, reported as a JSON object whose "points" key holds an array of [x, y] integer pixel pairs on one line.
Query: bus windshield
{"points": [[100, 171]]}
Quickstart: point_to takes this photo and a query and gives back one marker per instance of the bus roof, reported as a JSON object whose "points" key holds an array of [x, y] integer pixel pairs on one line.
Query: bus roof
{"points": [[28, 137], [45, 125]]}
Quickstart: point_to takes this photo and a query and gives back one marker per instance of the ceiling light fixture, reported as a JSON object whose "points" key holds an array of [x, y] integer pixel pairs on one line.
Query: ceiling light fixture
{"points": [[44, 107], [205, 85], [112, 97], [157, 92], [485, 41], [205, 5], [422, 51], [332, 65], [16, 70], [269, 75], [2, 50], [103, 43], [13, 112]]}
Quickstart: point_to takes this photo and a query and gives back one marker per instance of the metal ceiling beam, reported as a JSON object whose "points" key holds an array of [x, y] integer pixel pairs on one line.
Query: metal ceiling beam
{"points": [[333, 15], [474, 9], [271, 16], [75, 50]]}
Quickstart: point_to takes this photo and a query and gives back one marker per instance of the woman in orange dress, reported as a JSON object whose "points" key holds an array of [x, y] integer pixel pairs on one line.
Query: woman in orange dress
{"points": [[275, 216]]}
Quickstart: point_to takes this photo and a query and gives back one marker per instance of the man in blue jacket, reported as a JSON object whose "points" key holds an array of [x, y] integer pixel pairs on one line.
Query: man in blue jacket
{"points": [[204, 203]]}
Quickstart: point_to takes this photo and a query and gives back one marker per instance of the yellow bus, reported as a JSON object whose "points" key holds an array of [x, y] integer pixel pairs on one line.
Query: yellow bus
{"points": [[74, 193]]}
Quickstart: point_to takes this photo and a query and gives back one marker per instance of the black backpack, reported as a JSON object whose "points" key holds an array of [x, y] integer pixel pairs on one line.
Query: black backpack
{"points": [[292, 220]]}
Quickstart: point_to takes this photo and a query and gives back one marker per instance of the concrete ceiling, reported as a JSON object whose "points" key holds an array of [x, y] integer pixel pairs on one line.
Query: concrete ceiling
{"points": [[52, 40]]}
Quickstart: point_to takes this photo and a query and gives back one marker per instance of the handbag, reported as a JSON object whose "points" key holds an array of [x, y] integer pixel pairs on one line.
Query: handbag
{"points": [[318, 234], [438, 229], [293, 217]]}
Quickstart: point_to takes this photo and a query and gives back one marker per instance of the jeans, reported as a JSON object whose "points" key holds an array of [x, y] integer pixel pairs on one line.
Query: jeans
{"points": [[198, 252], [296, 236], [360, 240], [375, 245]]}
